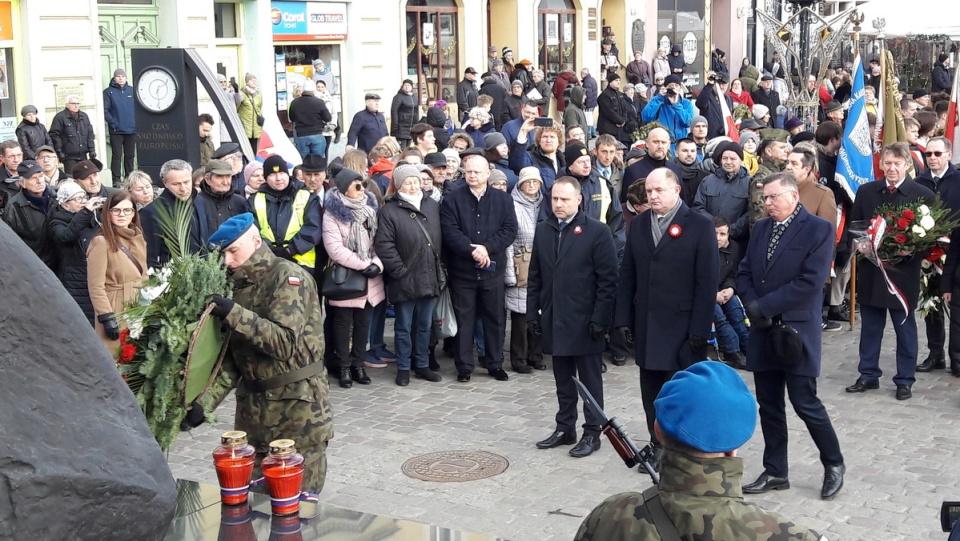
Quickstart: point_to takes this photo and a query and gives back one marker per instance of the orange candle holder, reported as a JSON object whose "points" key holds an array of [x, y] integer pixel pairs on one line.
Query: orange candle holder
{"points": [[285, 528], [236, 524], [233, 460], [283, 470]]}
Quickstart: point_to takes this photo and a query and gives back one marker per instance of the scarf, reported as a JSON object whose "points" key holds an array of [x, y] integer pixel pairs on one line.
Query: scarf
{"points": [[248, 190], [42, 202], [250, 90], [412, 199], [363, 226]]}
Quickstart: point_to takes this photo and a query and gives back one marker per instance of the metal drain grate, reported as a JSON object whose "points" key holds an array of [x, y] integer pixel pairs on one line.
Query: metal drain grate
{"points": [[455, 466]]}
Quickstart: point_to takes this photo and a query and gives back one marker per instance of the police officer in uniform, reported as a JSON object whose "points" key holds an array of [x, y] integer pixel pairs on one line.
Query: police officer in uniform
{"points": [[275, 351], [288, 215], [699, 496]]}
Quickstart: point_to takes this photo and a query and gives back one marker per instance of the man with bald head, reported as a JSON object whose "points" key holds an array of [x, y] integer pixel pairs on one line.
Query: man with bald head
{"points": [[658, 151], [668, 287]]}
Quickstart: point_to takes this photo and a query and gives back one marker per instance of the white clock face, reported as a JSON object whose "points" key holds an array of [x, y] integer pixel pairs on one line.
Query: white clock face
{"points": [[157, 90]]}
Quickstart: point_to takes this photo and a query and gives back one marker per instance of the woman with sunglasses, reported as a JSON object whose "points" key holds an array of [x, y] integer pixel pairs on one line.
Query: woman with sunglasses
{"points": [[116, 265], [72, 224], [349, 226]]}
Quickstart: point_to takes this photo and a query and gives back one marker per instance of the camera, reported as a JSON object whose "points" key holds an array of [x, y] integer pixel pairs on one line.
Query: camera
{"points": [[671, 92], [543, 121]]}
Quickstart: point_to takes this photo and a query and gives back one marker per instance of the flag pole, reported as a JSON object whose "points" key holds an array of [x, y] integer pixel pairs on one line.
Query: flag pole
{"points": [[853, 291]]}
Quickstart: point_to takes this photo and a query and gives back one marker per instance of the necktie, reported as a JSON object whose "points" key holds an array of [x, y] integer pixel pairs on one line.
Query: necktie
{"points": [[892, 188]]}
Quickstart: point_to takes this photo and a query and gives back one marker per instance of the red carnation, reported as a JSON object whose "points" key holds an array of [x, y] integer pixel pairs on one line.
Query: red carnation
{"points": [[903, 223], [127, 352], [124, 334], [889, 215], [935, 254], [900, 238], [908, 214]]}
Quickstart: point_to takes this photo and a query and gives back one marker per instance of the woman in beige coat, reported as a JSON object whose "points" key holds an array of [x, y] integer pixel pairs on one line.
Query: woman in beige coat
{"points": [[116, 265]]}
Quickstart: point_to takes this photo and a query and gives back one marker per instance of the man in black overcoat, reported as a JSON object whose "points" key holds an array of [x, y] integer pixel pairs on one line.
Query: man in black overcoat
{"points": [[896, 188], [668, 287], [570, 295]]}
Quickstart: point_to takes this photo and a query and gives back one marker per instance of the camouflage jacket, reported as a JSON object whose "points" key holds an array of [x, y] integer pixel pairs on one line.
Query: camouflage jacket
{"points": [[767, 167], [703, 499], [276, 329]]}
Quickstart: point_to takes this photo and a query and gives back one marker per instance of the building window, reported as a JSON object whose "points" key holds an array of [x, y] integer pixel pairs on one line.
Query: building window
{"points": [[432, 49], [556, 28], [225, 20]]}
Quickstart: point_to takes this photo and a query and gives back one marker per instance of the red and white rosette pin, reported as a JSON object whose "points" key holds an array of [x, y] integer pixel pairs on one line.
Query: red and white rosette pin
{"points": [[675, 230]]}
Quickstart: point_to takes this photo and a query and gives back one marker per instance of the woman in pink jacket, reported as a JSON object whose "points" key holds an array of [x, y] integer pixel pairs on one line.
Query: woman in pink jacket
{"points": [[349, 226]]}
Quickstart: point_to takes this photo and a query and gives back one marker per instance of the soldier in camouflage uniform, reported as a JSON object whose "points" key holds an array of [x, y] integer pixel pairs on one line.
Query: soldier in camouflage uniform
{"points": [[700, 475], [275, 350], [773, 156]]}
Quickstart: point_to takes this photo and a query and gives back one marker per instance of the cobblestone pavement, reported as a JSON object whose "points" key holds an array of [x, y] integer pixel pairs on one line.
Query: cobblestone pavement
{"points": [[899, 455]]}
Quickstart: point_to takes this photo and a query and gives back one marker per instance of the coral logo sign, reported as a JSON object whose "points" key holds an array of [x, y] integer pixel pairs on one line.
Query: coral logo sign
{"points": [[311, 21]]}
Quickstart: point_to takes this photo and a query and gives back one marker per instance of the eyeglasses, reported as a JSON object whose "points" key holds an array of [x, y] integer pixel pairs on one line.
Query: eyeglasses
{"points": [[122, 212], [73, 103], [47, 157], [936, 153], [771, 197], [358, 185]]}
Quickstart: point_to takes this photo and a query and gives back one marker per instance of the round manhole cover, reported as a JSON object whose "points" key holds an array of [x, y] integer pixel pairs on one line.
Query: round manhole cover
{"points": [[455, 466]]}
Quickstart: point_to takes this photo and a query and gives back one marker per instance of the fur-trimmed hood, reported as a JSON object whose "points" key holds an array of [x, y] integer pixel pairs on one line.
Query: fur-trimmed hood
{"points": [[335, 207]]}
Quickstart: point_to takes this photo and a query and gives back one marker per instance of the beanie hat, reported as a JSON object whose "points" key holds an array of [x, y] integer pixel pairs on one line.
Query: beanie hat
{"points": [[27, 109], [760, 111], [495, 175], [250, 169], [492, 140], [275, 164], [506, 51], [673, 78], [345, 178], [698, 120], [612, 76], [722, 417], [917, 94], [573, 151], [248, 77], [749, 136], [452, 153], [400, 173], [67, 191], [529, 173], [792, 123], [727, 146], [119, 72], [942, 58]]}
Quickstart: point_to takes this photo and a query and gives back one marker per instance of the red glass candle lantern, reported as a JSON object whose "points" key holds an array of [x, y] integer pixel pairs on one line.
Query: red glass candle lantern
{"points": [[233, 460], [283, 469]]}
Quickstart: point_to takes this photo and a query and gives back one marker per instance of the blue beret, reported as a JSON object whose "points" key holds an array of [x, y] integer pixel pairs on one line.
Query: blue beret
{"points": [[230, 231], [708, 407]]}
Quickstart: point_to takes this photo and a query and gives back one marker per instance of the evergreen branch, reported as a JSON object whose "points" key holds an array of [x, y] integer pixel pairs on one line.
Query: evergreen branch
{"points": [[174, 227]]}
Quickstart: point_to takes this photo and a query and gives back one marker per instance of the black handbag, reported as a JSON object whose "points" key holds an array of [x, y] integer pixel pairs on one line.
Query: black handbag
{"points": [[342, 284], [784, 343]]}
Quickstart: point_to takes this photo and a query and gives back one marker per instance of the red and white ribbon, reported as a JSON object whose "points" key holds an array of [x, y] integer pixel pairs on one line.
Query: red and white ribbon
{"points": [[877, 227]]}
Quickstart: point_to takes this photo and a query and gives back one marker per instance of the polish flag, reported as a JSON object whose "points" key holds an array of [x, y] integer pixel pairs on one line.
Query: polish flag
{"points": [[729, 126], [953, 123], [273, 140]]}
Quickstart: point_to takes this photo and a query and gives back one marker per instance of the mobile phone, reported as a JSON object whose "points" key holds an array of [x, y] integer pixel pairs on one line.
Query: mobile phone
{"points": [[491, 268], [543, 122]]}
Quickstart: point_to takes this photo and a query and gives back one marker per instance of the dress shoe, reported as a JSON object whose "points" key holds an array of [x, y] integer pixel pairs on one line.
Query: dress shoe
{"points": [[955, 368], [557, 439], [359, 375], [733, 359], [463, 376], [588, 444], [932, 362], [619, 360], [345, 380], [862, 386], [766, 483], [904, 392], [427, 374], [538, 365], [521, 367], [499, 374], [832, 481], [403, 378], [603, 367], [434, 364]]}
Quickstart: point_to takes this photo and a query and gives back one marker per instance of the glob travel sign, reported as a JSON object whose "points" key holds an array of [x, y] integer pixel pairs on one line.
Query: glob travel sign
{"points": [[308, 21]]}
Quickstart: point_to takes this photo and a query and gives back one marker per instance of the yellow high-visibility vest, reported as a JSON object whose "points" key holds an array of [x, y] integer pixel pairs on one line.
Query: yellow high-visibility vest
{"points": [[308, 259]]}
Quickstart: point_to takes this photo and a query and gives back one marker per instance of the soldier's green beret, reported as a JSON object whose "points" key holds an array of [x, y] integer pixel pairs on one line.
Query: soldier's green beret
{"points": [[230, 231], [708, 407]]}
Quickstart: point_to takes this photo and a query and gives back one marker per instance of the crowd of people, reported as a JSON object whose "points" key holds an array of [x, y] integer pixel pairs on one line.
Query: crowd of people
{"points": [[596, 217]]}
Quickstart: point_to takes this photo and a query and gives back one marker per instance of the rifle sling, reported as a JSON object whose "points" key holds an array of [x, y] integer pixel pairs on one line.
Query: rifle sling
{"points": [[663, 524]]}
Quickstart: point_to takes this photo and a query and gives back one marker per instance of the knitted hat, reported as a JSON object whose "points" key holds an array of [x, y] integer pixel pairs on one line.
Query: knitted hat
{"points": [[573, 151], [760, 111], [275, 164], [529, 174], [792, 123], [250, 169], [612, 76], [231, 230], [119, 72], [917, 94], [68, 190], [346, 177], [401, 173], [506, 51], [492, 140], [727, 146], [698, 120], [452, 153], [722, 417], [673, 78], [27, 109], [495, 175], [711, 146], [248, 77], [749, 136]]}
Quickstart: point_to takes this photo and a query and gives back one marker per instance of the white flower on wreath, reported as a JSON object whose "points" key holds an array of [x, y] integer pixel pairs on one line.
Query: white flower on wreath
{"points": [[927, 222], [925, 265], [918, 231], [924, 210]]}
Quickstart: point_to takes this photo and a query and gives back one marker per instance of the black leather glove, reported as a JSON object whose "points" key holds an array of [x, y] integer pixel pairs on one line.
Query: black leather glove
{"points": [[280, 251], [93, 155], [697, 343], [224, 305], [372, 271], [757, 319], [627, 335], [194, 418], [110, 327], [597, 331], [534, 326]]}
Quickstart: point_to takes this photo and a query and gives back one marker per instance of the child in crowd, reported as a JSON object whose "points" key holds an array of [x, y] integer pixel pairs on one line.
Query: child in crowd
{"points": [[729, 316]]}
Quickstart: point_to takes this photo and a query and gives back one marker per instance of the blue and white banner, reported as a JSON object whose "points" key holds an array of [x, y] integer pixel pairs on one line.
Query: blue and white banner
{"points": [[855, 161]]}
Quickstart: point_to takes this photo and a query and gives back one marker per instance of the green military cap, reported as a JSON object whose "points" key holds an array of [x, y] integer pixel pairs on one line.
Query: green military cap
{"points": [[774, 134]]}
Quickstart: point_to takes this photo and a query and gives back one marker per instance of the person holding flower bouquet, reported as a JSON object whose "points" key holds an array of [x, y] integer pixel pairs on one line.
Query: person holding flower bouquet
{"points": [[900, 269], [116, 265]]}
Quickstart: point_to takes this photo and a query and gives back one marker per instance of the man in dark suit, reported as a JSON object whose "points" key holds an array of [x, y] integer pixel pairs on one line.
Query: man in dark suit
{"points": [[774, 67], [781, 278], [668, 287], [943, 179], [896, 188], [478, 224], [572, 281]]}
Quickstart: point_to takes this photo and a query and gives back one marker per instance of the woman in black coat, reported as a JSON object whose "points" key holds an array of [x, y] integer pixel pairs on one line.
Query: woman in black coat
{"points": [[71, 225], [403, 111], [408, 243]]}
